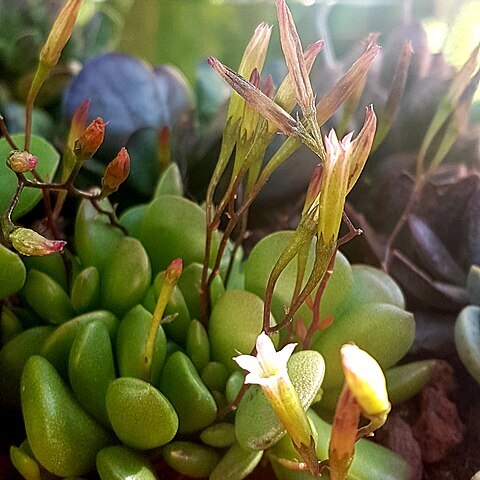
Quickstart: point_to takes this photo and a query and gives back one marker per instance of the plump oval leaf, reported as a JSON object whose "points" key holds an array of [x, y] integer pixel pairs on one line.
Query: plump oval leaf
{"points": [[118, 462], [234, 325], [190, 459], [62, 436], [182, 385], [12, 273], [140, 415], [467, 339], [385, 331]]}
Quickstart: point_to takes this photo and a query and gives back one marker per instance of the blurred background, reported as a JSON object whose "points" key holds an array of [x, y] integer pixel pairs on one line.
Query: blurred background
{"points": [[183, 32]]}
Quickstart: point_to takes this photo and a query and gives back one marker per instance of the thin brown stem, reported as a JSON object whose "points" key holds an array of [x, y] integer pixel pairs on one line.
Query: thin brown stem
{"points": [[234, 403], [315, 325], [228, 201], [243, 234], [4, 131], [221, 249], [352, 231], [401, 222], [7, 218], [204, 294], [48, 205], [110, 214]]}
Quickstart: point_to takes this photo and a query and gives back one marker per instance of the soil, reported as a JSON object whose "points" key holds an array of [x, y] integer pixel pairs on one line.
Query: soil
{"points": [[437, 432]]}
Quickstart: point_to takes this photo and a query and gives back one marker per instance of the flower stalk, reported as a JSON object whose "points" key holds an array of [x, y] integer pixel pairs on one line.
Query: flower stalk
{"points": [[49, 55], [170, 280], [364, 393], [251, 136]]}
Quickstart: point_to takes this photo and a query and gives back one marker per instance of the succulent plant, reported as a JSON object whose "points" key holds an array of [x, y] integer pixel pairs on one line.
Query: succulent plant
{"points": [[126, 354], [466, 326], [98, 322]]}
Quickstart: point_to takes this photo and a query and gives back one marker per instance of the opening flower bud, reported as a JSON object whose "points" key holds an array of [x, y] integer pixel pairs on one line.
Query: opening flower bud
{"points": [[90, 140], [366, 381], [116, 173], [21, 161], [30, 243]]}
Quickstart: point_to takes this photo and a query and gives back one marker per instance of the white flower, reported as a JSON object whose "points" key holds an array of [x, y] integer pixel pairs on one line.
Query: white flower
{"points": [[269, 370], [268, 365]]}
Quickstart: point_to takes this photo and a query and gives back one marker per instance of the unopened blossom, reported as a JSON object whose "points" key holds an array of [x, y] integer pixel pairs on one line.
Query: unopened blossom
{"points": [[344, 161], [78, 123], [366, 381], [364, 393], [21, 161], [30, 243], [282, 120], [116, 173], [253, 58], [60, 33], [294, 57], [334, 185], [90, 140]]}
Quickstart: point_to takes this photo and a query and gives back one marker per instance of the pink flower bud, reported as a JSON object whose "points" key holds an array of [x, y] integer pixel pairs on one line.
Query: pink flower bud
{"points": [[116, 173], [21, 161], [30, 243], [174, 270], [90, 140]]}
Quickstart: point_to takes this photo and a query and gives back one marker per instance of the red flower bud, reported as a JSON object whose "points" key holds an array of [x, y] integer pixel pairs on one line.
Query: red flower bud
{"points": [[116, 173], [90, 140], [21, 161]]}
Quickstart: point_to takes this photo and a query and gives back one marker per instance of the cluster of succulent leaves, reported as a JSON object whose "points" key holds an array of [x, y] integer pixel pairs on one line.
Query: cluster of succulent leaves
{"points": [[467, 326], [73, 351]]}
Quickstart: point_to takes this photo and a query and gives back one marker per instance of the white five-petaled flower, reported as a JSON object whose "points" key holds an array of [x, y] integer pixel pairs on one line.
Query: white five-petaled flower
{"points": [[269, 370], [268, 365]]}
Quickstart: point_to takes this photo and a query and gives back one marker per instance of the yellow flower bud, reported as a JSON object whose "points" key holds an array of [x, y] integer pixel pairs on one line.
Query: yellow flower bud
{"points": [[60, 33], [366, 381]]}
